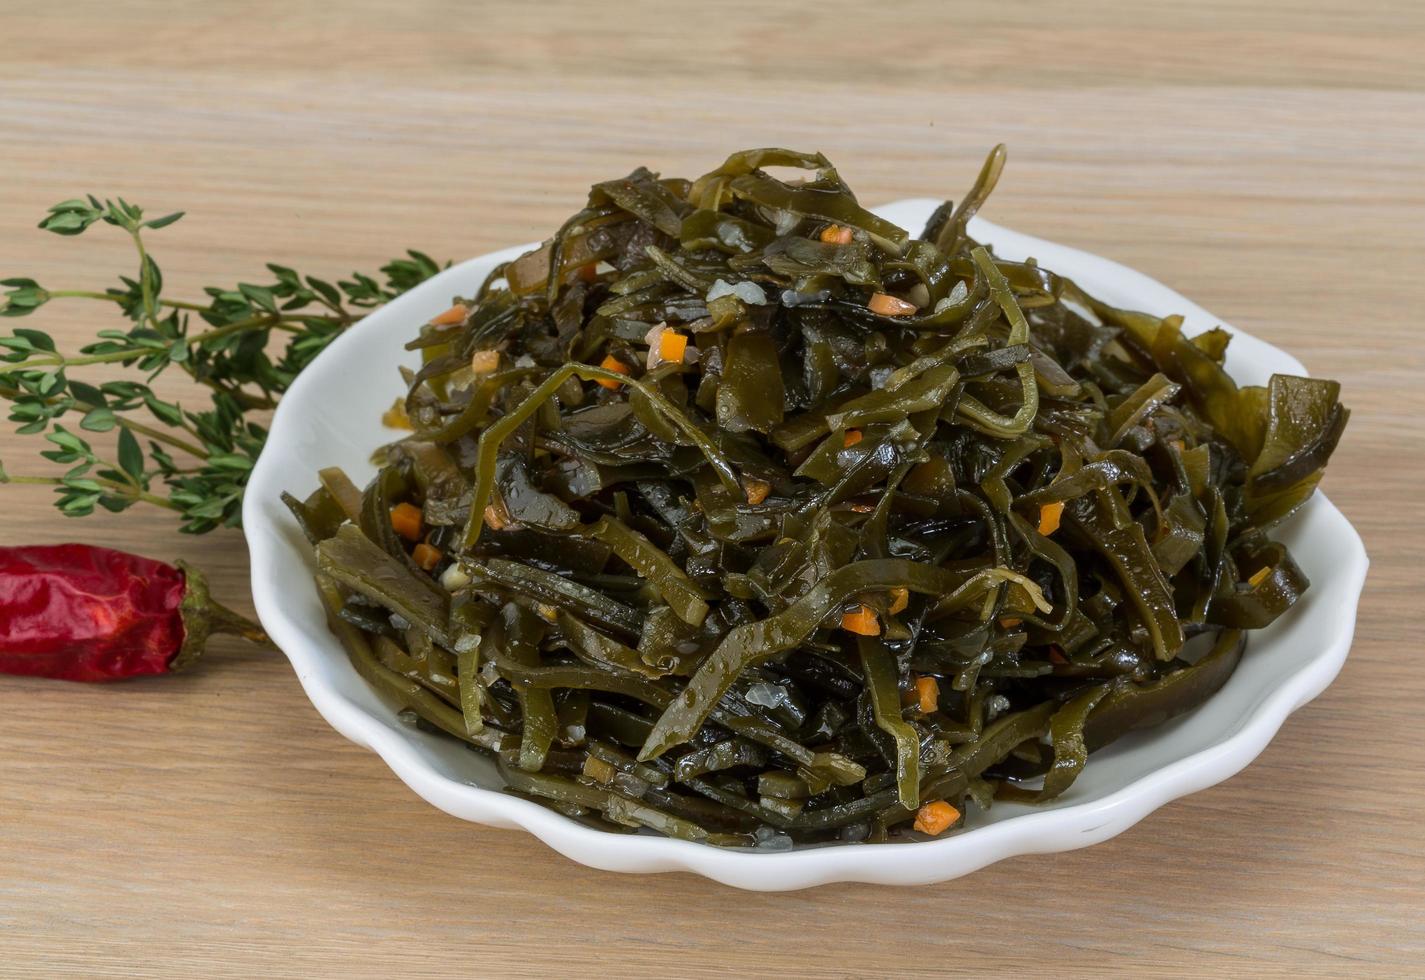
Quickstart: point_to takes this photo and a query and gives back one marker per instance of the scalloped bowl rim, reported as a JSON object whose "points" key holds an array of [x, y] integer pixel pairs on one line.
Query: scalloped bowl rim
{"points": [[319, 423]]}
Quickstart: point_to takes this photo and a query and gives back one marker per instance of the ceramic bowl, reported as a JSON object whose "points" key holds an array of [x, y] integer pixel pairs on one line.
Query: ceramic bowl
{"points": [[331, 417]]}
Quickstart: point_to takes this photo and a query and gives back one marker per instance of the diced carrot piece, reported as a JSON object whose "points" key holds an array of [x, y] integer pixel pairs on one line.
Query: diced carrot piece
{"points": [[927, 694], [485, 361], [1049, 516], [426, 556], [863, 508], [887, 305], [672, 345], [406, 519], [1259, 576], [497, 518], [456, 314], [756, 490], [836, 235], [1009, 622], [900, 598], [1056, 656], [935, 817], [853, 436], [611, 363], [589, 272], [395, 417], [862, 621]]}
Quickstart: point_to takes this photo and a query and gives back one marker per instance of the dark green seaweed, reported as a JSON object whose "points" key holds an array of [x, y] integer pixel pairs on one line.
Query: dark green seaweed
{"points": [[751, 519]]}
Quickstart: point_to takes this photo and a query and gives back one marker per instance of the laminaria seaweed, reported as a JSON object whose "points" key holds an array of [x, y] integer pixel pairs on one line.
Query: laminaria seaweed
{"points": [[734, 513]]}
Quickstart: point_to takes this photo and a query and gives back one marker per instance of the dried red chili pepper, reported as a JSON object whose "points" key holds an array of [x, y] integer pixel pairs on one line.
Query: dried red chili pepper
{"points": [[82, 613]]}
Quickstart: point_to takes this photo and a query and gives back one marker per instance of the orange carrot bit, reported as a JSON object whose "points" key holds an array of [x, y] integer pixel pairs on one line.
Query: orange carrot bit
{"points": [[589, 272], [861, 508], [1259, 576], [611, 363], [852, 437], [887, 305], [1049, 516], [935, 818], [485, 361], [672, 345], [756, 490], [927, 694], [395, 417], [1056, 656], [836, 235], [900, 598], [456, 314], [496, 517], [406, 519], [1010, 622], [862, 621], [426, 556]]}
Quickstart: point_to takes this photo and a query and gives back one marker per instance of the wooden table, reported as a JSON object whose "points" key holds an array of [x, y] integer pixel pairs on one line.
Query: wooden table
{"points": [[1268, 164]]}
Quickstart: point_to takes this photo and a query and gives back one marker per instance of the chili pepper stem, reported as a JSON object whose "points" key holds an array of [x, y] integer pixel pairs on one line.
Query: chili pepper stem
{"points": [[225, 620], [203, 616]]}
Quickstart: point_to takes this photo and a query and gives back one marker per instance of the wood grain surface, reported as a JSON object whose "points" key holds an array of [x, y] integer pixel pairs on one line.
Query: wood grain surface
{"points": [[1266, 162]]}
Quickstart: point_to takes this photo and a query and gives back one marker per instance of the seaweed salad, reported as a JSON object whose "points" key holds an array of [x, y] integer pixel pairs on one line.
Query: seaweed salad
{"points": [[734, 512]]}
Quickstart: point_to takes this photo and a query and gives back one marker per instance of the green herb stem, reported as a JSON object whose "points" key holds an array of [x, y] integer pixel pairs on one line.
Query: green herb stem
{"points": [[128, 489], [160, 436], [146, 283], [228, 329], [109, 357], [171, 304]]}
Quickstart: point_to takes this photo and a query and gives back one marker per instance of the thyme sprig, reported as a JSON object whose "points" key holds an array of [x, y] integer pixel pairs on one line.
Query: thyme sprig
{"points": [[244, 344]]}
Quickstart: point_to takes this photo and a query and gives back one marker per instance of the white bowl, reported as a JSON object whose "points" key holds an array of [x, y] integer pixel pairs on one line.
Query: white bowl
{"points": [[331, 416]]}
